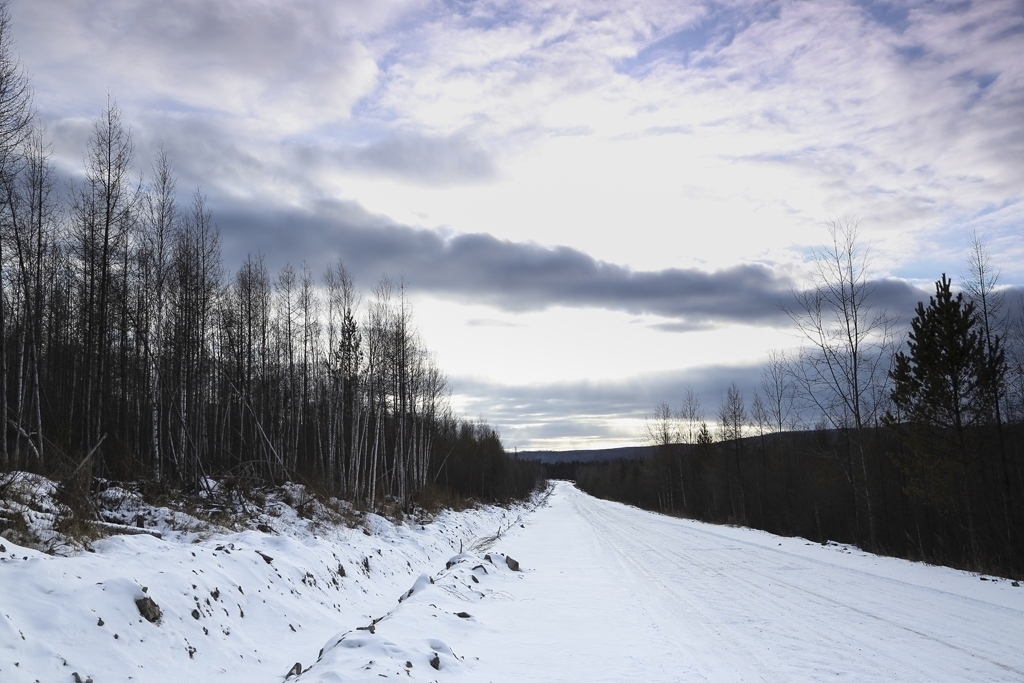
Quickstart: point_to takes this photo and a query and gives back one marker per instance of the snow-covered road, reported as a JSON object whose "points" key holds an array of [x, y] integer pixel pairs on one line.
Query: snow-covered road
{"points": [[634, 595], [612, 593]]}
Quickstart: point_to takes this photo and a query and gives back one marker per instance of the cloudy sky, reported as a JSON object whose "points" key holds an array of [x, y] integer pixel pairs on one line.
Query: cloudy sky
{"points": [[594, 203]]}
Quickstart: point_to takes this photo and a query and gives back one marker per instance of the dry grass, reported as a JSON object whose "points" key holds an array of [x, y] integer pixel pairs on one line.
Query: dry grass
{"points": [[433, 499]]}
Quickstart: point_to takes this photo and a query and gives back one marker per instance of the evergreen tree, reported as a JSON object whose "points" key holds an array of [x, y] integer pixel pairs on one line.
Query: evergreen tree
{"points": [[951, 376], [704, 437], [944, 391]]}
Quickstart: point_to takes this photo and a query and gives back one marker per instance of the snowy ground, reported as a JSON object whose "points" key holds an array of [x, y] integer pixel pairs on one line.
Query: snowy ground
{"points": [[242, 606], [603, 592]]}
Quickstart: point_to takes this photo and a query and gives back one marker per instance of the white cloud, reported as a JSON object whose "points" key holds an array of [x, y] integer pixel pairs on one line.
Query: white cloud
{"points": [[272, 68]]}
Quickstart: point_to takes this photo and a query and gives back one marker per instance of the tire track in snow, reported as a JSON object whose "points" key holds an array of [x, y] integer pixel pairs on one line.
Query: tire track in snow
{"points": [[721, 656], [831, 566], [772, 584], [650, 544]]}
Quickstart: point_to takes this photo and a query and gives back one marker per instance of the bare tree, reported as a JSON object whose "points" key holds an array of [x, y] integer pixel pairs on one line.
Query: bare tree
{"points": [[158, 233], [15, 128], [252, 295], [309, 427], [777, 392], [197, 286], [981, 285], [732, 421], [982, 288], [691, 415], [662, 434], [848, 345], [104, 212], [30, 219], [660, 428], [15, 100]]}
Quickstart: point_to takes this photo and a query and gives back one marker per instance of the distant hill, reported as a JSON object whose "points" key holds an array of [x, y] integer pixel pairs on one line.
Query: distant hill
{"points": [[591, 455]]}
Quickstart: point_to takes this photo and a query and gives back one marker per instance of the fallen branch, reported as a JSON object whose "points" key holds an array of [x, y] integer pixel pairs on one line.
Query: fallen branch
{"points": [[125, 529], [87, 458]]}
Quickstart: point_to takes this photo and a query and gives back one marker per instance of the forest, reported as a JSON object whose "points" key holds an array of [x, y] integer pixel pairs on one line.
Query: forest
{"points": [[128, 351], [902, 439]]}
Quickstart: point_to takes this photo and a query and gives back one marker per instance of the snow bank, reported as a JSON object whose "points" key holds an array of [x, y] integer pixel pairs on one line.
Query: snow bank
{"points": [[414, 640], [233, 605]]}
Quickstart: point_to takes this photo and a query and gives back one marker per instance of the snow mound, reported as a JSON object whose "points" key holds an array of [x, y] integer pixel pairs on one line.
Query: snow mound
{"points": [[236, 603], [411, 640], [421, 583], [365, 656]]}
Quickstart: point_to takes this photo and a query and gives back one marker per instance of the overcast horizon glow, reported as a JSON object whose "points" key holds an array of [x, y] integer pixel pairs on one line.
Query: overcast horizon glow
{"points": [[592, 203]]}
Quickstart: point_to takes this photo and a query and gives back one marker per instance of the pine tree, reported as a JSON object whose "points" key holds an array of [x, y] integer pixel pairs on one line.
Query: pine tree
{"points": [[951, 375], [943, 392], [704, 437]]}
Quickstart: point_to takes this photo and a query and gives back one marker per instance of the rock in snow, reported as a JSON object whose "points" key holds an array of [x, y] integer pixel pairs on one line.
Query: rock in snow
{"points": [[148, 609]]}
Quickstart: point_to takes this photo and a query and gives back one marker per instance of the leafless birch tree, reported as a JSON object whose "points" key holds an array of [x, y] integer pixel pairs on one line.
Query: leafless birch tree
{"points": [[846, 353]]}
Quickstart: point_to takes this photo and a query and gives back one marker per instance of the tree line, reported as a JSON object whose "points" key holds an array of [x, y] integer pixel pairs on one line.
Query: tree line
{"points": [[129, 351], [909, 443]]}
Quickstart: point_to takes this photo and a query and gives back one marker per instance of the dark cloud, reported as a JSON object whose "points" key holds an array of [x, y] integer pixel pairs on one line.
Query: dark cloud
{"points": [[515, 276]]}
